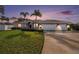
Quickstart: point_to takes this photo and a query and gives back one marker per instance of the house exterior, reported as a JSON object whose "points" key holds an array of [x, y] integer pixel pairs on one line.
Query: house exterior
{"points": [[46, 25]]}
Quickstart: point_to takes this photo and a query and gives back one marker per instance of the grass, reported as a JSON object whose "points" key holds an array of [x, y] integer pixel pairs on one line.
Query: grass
{"points": [[21, 42]]}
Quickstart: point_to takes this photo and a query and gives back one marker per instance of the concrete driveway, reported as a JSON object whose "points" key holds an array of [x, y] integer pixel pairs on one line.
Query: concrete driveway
{"points": [[61, 43]]}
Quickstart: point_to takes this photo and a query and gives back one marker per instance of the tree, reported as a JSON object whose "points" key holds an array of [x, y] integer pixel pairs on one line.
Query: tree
{"points": [[4, 18], [75, 27], [36, 13], [24, 14], [7, 19]]}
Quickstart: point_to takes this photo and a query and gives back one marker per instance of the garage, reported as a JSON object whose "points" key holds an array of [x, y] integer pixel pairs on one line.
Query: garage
{"points": [[47, 25], [54, 27]]}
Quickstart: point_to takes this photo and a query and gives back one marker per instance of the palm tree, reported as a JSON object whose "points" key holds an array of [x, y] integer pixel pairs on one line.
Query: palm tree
{"points": [[36, 13], [24, 14]]}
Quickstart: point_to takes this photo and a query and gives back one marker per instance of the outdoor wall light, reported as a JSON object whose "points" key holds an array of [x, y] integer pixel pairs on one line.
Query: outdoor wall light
{"points": [[40, 27], [68, 26]]}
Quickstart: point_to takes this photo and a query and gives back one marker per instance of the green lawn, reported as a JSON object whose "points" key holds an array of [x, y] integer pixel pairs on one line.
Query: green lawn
{"points": [[16, 41]]}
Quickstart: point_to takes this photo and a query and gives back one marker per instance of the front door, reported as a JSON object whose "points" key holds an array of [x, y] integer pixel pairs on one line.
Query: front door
{"points": [[29, 25]]}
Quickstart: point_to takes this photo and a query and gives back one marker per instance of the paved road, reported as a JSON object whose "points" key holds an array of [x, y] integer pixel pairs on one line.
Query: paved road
{"points": [[59, 43]]}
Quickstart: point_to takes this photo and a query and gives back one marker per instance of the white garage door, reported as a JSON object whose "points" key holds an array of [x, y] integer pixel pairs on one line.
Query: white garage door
{"points": [[54, 27], [49, 26]]}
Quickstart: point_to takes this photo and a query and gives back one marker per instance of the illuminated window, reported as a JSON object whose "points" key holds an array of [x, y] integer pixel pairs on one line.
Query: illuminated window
{"points": [[19, 25]]}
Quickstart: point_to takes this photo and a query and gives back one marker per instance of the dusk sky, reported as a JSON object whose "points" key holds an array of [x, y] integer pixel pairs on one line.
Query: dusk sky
{"points": [[58, 12]]}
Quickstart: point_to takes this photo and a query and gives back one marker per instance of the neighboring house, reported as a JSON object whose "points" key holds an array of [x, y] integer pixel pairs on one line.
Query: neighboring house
{"points": [[6, 26], [46, 24]]}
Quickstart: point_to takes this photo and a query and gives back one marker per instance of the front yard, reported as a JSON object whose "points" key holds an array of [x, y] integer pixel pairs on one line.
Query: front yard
{"points": [[18, 42]]}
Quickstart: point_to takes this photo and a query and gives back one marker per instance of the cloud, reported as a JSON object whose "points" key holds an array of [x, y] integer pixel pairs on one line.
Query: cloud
{"points": [[66, 12]]}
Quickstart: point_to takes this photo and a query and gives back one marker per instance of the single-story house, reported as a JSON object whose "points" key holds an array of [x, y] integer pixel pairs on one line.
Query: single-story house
{"points": [[45, 24]]}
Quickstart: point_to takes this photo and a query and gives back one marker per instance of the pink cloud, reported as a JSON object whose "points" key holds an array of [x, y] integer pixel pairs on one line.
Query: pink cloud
{"points": [[51, 15]]}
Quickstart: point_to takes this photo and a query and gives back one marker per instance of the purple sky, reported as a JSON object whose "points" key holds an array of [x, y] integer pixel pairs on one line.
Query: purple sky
{"points": [[58, 12]]}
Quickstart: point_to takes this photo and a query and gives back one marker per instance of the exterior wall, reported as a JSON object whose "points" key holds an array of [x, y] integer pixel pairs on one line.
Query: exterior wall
{"points": [[8, 27], [26, 26]]}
